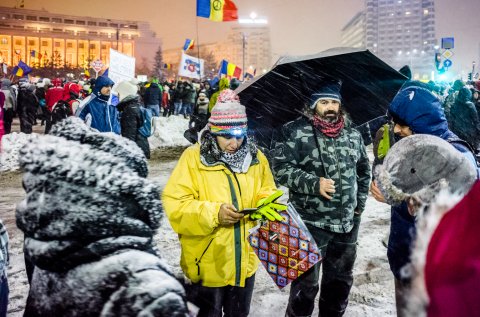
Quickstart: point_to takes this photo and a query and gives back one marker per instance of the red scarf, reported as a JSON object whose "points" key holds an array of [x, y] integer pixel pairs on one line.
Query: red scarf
{"points": [[330, 129]]}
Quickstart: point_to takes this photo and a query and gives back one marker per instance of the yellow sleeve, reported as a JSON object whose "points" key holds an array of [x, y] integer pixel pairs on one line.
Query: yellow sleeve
{"points": [[187, 214], [268, 184]]}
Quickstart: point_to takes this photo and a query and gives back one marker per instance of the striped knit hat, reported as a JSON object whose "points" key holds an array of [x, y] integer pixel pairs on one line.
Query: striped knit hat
{"points": [[228, 116]]}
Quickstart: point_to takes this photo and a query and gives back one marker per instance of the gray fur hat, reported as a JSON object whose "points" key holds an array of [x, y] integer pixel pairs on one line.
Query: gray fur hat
{"points": [[419, 166]]}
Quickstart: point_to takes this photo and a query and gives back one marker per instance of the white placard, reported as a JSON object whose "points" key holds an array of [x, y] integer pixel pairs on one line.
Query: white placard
{"points": [[191, 67], [122, 67]]}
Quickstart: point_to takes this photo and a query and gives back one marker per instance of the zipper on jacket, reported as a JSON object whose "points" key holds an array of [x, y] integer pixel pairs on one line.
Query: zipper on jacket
{"points": [[198, 260]]}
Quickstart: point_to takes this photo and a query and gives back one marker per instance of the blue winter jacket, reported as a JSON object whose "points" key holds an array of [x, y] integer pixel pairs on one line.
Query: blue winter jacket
{"points": [[418, 108], [105, 116]]}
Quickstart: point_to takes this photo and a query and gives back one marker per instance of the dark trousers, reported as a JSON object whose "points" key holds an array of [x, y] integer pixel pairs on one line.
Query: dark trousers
{"points": [[339, 251], [4, 290], [402, 289], [233, 300], [7, 120]]}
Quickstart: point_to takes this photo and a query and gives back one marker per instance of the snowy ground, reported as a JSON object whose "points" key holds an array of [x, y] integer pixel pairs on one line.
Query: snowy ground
{"points": [[371, 295]]}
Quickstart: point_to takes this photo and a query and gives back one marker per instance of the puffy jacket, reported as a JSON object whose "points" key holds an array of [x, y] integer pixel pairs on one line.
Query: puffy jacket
{"points": [[299, 163], [153, 95], [52, 96], [213, 254], [10, 95], [131, 120], [105, 117]]}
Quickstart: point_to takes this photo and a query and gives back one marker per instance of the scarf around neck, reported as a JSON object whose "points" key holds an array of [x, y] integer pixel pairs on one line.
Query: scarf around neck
{"points": [[330, 129]]}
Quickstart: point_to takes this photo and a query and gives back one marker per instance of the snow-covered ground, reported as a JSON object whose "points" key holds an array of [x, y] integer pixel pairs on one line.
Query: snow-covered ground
{"points": [[371, 295]]}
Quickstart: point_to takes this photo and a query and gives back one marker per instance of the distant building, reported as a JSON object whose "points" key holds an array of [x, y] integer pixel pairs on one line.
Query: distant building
{"points": [[255, 37], [400, 32], [71, 40]]}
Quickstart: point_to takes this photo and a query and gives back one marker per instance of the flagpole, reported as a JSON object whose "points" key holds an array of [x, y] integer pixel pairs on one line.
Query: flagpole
{"points": [[198, 50]]}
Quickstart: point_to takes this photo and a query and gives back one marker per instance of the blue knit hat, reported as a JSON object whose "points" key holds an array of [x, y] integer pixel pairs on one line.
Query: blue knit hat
{"points": [[329, 91]]}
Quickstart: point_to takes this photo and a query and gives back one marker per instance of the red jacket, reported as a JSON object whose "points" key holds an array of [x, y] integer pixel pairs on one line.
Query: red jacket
{"points": [[52, 96]]}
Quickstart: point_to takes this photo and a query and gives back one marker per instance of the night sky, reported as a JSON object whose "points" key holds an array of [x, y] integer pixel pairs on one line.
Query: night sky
{"points": [[297, 26]]}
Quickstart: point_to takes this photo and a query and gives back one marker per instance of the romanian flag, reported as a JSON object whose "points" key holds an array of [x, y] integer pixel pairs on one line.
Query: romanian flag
{"points": [[229, 69], [188, 44], [217, 10], [35, 54], [167, 66], [21, 69]]}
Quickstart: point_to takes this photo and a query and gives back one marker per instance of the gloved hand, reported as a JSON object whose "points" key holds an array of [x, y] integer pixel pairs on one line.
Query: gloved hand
{"points": [[268, 209]]}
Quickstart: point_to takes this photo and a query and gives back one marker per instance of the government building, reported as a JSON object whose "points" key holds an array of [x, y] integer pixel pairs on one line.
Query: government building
{"points": [[67, 40]]}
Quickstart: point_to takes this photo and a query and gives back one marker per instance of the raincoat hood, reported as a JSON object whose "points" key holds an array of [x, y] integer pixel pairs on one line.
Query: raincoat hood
{"points": [[101, 82], [223, 84], [421, 110]]}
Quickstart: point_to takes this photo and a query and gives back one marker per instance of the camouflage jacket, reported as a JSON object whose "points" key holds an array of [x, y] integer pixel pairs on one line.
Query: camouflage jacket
{"points": [[300, 162]]}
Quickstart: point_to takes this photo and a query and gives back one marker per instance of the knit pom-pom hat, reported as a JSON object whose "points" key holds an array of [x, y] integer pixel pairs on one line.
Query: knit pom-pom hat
{"points": [[228, 116]]}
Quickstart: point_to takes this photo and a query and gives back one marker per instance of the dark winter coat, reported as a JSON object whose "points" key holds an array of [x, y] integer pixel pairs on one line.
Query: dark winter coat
{"points": [[153, 95], [464, 120], [131, 120], [420, 110], [303, 155], [178, 93], [88, 219], [27, 105]]}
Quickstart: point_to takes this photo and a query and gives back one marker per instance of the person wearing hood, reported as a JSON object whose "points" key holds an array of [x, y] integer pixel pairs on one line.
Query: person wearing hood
{"points": [[414, 110], [89, 217], [464, 120], [432, 176], [52, 96], [27, 105], [153, 97], [324, 163], [223, 84], [204, 198], [10, 105], [131, 118], [97, 112]]}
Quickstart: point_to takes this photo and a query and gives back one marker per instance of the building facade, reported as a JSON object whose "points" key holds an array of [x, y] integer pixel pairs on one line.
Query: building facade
{"points": [[400, 32], [65, 40]]}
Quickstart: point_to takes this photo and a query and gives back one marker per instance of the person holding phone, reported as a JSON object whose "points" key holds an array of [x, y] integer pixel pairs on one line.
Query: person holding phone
{"points": [[203, 199]]}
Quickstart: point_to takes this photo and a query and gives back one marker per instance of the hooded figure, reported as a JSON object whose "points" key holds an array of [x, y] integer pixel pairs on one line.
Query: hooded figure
{"points": [[464, 120], [27, 105], [88, 218], [431, 172], [131, 117], [104, 117], [222, 85]]}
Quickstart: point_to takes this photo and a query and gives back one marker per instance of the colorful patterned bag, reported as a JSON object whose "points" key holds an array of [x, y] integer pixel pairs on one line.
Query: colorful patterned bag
{"points": [[285, 248]]}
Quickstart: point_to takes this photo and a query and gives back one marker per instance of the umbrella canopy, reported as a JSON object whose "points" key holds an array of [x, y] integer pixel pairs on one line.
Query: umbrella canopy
{"points": [[279, 96]]}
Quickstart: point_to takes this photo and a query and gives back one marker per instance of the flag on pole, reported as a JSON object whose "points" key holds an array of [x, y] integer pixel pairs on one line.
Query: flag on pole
{"points": [[250, 74], [217, 10], [35, 54], [167, 66], [230, 70], [191, 67], [21, 69], [188, 44]]}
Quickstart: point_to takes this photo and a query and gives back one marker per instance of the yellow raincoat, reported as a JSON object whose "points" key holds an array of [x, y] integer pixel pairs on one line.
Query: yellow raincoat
{"points": [[213, 254]]}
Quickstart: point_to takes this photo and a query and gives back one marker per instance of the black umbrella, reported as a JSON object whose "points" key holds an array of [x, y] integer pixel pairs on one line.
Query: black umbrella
{"points": [[280, 95]]}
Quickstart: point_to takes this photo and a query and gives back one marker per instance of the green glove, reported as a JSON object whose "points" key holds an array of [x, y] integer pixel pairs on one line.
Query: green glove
{"points": [[268, 209]]}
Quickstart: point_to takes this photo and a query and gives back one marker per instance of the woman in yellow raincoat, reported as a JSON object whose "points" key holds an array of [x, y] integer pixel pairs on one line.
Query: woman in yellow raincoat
{"points": [[204, 198]]}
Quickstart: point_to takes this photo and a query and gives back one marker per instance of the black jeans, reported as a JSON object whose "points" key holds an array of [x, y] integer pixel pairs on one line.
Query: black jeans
{"points": [[339, 251], [234, 300]]}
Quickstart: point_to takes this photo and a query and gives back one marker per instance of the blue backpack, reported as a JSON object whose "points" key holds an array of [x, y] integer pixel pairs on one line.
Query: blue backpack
{"points": [[147, 127]]}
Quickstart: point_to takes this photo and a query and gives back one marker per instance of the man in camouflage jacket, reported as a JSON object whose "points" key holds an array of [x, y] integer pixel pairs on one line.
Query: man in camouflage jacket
{"points": [[324, 164]]}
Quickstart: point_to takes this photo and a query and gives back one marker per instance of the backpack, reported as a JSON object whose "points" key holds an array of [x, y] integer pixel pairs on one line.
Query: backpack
{"points": [[147, 126], [60, 110]]}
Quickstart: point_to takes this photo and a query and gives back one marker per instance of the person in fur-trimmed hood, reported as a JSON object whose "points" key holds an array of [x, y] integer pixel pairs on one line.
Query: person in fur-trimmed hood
{"points": [[430, 175], [88, 218]]}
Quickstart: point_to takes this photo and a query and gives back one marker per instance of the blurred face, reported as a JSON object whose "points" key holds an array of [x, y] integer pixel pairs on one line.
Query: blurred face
{"points": [[402, 130], [328, 109], [106, 90], [229, 143]]}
